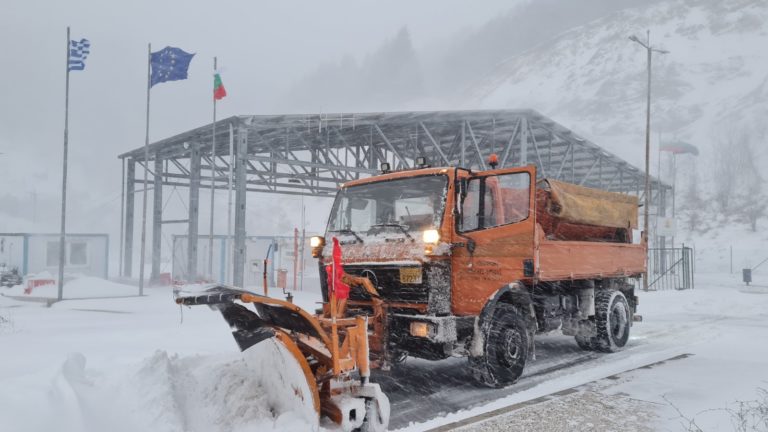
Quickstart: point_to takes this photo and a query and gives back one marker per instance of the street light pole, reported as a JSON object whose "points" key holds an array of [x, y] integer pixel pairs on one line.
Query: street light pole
{"points": [[647, 201]]}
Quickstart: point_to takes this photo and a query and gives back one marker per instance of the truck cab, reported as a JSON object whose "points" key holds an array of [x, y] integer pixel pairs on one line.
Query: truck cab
{"points": [[475, 263]]}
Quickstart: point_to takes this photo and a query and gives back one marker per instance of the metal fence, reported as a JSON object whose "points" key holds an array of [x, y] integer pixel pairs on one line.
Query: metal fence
{"points": [[670, 268]]}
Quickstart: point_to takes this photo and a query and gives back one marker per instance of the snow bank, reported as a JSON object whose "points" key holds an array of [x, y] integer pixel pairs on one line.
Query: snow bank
{"points": [[82, 287], [93, 364], [163, 393]]}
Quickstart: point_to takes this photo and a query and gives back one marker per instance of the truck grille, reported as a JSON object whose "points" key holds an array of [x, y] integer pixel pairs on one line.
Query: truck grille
{"points": [[387, 281]]}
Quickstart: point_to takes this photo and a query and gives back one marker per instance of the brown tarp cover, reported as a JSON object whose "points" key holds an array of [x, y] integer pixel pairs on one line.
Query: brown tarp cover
{"points": [[582, 205]]}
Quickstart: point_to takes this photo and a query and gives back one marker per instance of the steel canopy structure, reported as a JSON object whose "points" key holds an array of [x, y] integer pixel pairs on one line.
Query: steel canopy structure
{"points": [[314, 154]]}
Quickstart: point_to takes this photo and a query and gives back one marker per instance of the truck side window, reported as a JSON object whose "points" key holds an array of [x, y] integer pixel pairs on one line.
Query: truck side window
{"points": [[506, 200], [515, 197]]}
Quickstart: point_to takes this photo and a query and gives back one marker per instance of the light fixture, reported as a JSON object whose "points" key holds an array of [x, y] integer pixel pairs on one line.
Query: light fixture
{"points": [[385, 167], [317, 243], [493, 160], [419, 329], [431, 236]]}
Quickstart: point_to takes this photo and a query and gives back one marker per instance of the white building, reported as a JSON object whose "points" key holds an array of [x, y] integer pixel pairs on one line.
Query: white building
{"points": [[86, 254]]}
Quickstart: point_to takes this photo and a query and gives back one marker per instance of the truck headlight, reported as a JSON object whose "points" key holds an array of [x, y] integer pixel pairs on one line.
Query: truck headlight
{"points": [[431, 236], [317, 243]]}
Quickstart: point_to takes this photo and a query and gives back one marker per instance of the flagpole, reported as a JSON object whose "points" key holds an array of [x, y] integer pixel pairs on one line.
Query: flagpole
{"points": [[146, 168], [213, 181], [62, 236], [229, 200]]}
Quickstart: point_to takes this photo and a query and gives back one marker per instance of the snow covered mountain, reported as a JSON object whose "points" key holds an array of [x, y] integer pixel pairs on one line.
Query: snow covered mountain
{"points": [[593, 78]]}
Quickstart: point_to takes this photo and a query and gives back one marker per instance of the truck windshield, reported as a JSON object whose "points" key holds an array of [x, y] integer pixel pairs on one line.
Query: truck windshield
{"points": [[398, 206]]}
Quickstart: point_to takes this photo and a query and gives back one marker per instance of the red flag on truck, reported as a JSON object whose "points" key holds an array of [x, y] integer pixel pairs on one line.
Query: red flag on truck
{"points": [[335, 273]]}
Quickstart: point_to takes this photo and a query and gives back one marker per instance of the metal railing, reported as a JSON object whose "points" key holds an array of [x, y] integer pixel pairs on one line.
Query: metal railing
{"points": [[670, 268]]}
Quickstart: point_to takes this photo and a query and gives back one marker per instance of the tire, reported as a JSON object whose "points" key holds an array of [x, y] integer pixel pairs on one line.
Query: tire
{"points": [[613, 318], [585, 343], [505, 349]]}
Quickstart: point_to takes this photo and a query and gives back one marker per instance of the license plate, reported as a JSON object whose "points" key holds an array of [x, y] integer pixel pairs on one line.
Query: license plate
{"points": [[410, 275]]}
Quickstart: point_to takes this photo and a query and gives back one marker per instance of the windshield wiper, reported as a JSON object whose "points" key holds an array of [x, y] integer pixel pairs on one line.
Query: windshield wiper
{"points": [[402, 228], [348, 231]]}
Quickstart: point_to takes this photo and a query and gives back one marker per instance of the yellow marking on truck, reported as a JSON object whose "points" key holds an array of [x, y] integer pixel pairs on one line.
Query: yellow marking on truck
{"points": [[410, 275]]}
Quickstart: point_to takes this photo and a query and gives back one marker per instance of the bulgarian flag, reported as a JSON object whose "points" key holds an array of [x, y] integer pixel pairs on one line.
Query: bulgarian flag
{"points": [[218, 87], [680, 147]]}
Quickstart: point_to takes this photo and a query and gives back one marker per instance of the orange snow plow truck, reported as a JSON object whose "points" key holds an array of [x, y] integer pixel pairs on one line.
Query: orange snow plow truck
{"points": [[441, 262], [466, 263]]}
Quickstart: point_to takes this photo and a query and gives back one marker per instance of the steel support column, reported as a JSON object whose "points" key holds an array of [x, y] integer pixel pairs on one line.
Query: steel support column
{"points": [[122, 217], [523, 142], [157, 218], [241, 160], [194, 210], [130, 188]]}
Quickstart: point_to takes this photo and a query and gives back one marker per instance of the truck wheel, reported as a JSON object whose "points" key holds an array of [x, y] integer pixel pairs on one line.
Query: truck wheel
{"points": [[585, 343], [612, 319], [505, 350]]}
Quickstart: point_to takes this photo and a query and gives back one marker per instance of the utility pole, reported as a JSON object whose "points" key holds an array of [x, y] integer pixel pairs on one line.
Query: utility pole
{"points": [[647, 201]]}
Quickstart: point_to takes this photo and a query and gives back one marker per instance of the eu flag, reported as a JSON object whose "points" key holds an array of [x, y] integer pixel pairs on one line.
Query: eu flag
{"points": [[169, 64]]}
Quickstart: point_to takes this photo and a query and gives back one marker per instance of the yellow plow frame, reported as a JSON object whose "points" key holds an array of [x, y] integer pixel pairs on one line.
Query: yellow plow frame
{"points": [[332, 350]]}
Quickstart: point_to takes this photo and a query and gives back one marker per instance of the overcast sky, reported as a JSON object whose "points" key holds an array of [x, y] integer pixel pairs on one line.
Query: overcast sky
{"points": [[263, 47]]}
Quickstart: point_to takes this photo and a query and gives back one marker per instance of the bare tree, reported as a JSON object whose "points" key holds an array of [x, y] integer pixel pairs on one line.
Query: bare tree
{"points": [[692, 202], [724, 170], [751, 199], [739, 188]]}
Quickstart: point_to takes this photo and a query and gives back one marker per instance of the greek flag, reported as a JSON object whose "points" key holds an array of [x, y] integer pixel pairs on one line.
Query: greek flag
{"points": [[78, 52]]}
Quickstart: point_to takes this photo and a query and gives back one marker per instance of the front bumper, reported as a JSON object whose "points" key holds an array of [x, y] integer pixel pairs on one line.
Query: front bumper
{"points": [[445, 334], [440, 329]]}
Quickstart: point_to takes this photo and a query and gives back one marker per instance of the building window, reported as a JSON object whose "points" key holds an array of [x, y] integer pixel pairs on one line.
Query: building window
{"points": [[77, 256], [78, 253], [52, 254]]}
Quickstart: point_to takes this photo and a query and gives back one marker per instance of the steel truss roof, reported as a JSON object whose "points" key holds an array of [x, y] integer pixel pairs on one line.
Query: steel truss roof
{"points": [[313, 154]]}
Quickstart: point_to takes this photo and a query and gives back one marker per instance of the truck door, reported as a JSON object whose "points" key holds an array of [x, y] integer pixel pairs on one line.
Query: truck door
{"points": [[493, 235]]}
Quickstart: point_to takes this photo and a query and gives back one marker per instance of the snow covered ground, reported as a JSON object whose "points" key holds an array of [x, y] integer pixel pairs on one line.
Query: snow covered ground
{"points": [[143, 363]]}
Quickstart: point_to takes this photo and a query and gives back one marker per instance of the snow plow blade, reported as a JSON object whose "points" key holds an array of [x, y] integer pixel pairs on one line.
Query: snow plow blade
{"points": [[332, 352], [248, 327]]}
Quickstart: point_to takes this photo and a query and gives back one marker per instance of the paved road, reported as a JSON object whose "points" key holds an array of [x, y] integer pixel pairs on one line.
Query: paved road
{"points": [[420, 390]]}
